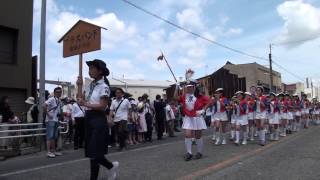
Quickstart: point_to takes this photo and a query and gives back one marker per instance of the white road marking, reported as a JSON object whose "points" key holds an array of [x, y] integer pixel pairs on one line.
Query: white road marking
{"points": [[83, 159]]}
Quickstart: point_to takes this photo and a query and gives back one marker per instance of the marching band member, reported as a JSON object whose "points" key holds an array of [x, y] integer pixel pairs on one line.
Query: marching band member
{"points": [[299, 106], [261, 114], [251, 114], [305, 110], [283, 114], [194, 105], [220, 118], [290, 112], [274, 117], [233, 106], [242, 118]]}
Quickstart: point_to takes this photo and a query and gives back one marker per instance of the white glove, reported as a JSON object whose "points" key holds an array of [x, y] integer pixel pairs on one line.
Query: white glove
{"points": [[177, 85], [200, 112]]}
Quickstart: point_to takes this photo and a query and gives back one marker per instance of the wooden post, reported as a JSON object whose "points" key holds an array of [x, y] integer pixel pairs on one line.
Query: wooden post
{"points": [[79, 95]]}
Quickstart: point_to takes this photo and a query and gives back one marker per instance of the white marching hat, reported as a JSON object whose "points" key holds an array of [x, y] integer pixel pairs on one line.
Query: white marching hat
{"points": [[248, 93], [219, 90], [238, 92], [30, 100]]}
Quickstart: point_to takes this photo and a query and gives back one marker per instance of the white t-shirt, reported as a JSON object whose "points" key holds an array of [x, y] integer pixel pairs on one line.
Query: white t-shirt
{"points": [[169, 113], [123, 110], [53, 108], [67, 109], [96, 90]]}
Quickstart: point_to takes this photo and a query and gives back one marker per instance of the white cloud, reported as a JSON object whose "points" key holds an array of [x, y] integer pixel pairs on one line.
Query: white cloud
{"points": [[301, 22], [100, 11], [190, 19]]}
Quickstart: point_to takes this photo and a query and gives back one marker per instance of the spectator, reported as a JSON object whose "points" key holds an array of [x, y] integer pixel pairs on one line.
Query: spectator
{"points": [[32, 114], [120, 112], [6, 112], [148, 117], [141, 122], [132, 123], [67, 112], [77, 116], [170, 117], [52, 108], [159, 107]]}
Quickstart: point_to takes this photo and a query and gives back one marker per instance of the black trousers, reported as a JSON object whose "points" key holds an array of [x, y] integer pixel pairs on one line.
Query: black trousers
{"points": [[160, 123], [121, 132], [95, 166], [149, 127], [79, 132]]}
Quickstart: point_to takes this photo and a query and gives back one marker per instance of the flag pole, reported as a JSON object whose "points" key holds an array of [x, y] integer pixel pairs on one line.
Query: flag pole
{"points": [[169, 67]]}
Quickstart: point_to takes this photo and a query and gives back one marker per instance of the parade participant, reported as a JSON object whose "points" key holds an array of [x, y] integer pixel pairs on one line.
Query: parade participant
{"points": [[148, 116], [132, 123], [283, 114], [95, 100], [297, 109], [120, 112], [194, 106], [170, 117], [317, 109], [220, 118], [289, 100], [242, 117], [52, 108], [233, 106], [251, 114], [305, 111], [274, 109], [261, 114]]}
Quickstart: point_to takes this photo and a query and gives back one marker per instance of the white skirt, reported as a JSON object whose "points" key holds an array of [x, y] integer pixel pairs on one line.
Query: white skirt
{"points": [[290, 115], [274, 118], [219, 116], [261, 115], [194, 123], [251, 116], [242, 120]]}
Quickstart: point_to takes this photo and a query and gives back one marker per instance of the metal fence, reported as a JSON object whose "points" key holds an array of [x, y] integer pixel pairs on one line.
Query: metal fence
{"points": [[17, 137]]}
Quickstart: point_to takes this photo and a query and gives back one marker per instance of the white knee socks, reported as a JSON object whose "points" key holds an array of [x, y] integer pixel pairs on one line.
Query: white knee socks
{"points": [[188, 144], [199, 145]]}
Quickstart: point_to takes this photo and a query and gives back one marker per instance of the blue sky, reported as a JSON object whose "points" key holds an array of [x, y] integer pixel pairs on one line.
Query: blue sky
{"points": [[133, 40]]}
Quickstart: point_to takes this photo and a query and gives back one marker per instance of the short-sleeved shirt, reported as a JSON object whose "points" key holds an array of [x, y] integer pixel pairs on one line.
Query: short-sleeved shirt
{"points": [[123, 110], [77, 111], [53, 108], [169, 113], [96, 91]]}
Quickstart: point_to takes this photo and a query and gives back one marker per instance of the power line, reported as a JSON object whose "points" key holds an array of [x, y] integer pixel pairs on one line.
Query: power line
{"points": [[207, 39], [193, 33]]}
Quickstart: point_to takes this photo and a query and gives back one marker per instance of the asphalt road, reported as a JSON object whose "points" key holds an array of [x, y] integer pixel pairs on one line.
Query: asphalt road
{"points": [[294, 157]]}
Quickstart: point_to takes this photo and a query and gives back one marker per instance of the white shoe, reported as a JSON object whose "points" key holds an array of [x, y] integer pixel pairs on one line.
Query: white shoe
{"points": [[58, 153], [217, 141], [244, 142], [113, 171], [237, 143], [51, 155], [283, 135], [252, 139], [213, 138], [224, 142]]}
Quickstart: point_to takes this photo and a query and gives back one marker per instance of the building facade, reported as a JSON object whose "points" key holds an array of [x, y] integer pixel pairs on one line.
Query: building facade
{"points": [[16, 66], [255, 74]]}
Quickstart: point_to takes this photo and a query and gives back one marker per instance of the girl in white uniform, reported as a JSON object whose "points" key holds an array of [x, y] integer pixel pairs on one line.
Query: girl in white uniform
{"points": [[242, 117], [194, 105], [96, 101]]}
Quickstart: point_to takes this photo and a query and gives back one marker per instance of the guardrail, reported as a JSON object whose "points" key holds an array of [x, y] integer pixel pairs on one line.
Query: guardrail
{"points": [[21, 128]]}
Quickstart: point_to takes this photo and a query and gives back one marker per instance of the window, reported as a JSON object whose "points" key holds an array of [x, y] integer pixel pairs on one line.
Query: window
{"points": [[8, 45]]}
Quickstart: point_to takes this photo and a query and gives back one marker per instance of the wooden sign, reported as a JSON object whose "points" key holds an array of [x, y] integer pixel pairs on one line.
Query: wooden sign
{"points": [[83, 37]]}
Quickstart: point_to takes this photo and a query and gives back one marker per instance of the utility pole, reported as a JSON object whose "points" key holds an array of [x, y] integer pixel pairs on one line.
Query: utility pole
{"points": [[42, 66], [270, 70]]}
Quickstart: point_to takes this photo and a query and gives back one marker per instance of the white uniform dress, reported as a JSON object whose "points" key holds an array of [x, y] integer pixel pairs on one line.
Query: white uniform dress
{"points": [[273, 116], [218, 115], [192, 123]]}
